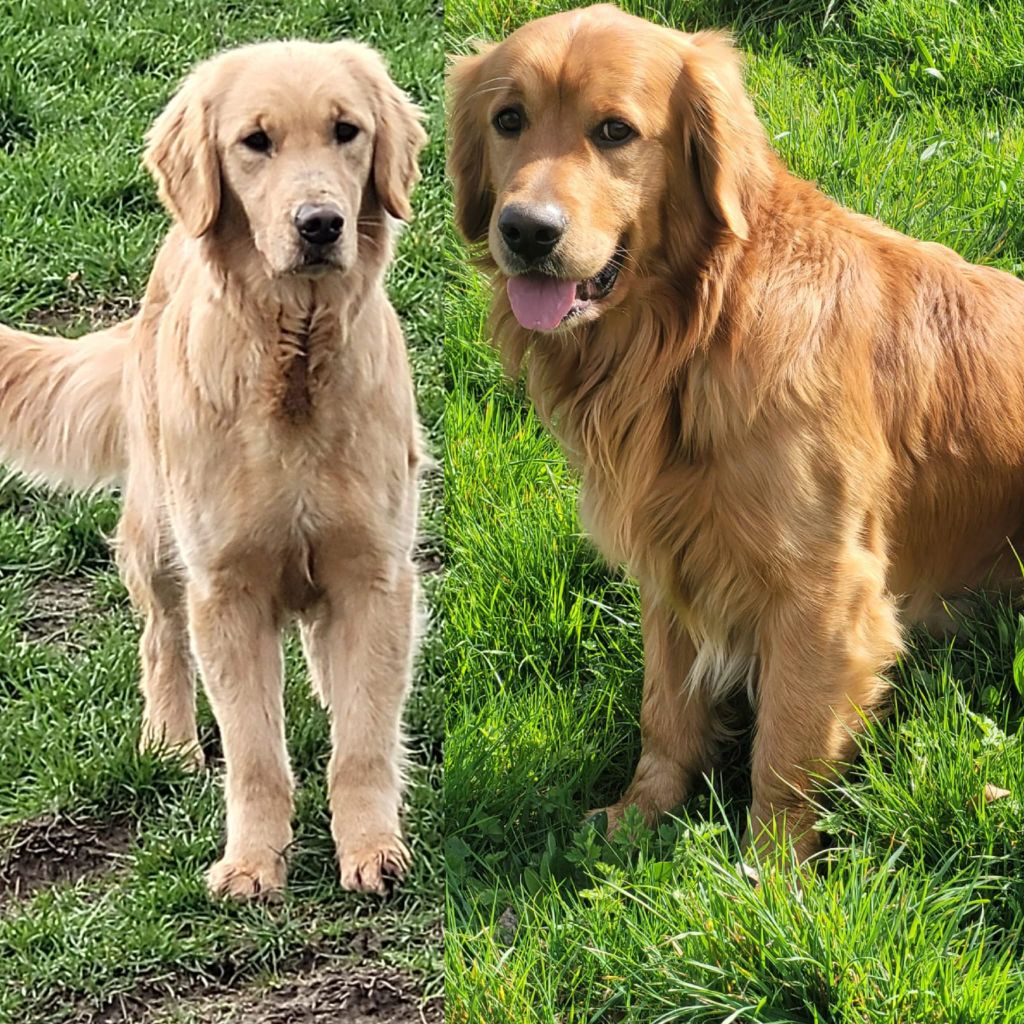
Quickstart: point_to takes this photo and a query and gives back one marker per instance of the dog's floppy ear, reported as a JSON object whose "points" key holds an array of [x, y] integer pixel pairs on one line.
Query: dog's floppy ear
{"points": [[181, 154], [396, 150], [467, 155], [399, 135], [722, 134]]}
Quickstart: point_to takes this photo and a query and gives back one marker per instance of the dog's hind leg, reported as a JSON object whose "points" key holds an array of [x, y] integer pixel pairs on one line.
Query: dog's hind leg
{"points": [[168, 674], [360, 646]]}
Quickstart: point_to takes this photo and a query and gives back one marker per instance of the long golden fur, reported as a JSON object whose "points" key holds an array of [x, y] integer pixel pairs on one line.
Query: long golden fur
{"points": [[798, 429], [259, 416]]}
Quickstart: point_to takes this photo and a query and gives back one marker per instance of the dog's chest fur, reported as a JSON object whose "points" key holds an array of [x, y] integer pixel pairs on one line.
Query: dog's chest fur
{"points": [[306, 349], [272, 365], [665, 483], [266, 430], [672, 527]]}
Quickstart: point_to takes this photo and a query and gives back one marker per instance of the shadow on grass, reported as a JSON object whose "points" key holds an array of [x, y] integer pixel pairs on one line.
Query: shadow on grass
{"points": [[955, 701]]}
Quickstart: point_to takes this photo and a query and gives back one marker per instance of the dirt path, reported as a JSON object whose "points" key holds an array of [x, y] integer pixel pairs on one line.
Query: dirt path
{"points": [[333, 993], [53, 850]]}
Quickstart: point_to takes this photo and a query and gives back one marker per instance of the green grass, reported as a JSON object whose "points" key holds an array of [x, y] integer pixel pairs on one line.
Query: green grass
{"points": [[79, 226], [911, 112]]}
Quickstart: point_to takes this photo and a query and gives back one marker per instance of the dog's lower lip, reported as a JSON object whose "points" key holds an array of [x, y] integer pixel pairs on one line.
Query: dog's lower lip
{"points": [[598, 287], [316, 264]]}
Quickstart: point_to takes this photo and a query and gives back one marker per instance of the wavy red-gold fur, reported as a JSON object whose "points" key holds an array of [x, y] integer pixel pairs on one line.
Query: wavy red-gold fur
{"points": [[797, 428]]}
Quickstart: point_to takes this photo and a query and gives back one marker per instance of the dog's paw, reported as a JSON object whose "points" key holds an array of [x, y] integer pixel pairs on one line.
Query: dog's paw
{"points": [[600, 819], [191, 755], [612, 814], [248, 878], [617, 814], [612, 818], [374, 864]]}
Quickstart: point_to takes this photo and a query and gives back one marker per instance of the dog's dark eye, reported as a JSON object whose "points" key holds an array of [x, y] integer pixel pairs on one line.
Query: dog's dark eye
{"points": [[258, 142], [345, 132], [509, 121], [613, 133]]}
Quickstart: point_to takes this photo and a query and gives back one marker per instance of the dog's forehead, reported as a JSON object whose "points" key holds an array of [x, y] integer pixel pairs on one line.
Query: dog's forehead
{"points": [[293, 83], [600, 61]]}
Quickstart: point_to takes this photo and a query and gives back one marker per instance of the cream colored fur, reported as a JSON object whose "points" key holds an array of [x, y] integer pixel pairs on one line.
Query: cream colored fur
{"points": [[259, 416]]}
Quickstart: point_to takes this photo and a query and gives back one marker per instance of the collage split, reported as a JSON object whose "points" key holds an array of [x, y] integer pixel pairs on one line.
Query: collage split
{"points": [[511, 512]]}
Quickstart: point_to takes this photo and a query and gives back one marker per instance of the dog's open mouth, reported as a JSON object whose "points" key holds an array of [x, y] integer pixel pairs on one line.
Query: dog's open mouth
{"points": [[316, 258], [542, 303]]}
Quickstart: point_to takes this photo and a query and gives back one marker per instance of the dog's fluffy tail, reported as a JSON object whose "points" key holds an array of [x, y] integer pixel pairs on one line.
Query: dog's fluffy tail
{"points": [[62, 415]]}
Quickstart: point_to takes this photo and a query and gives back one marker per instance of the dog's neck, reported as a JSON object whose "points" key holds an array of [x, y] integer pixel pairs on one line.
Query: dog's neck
{"points": [[299, 325], [647, 385]]}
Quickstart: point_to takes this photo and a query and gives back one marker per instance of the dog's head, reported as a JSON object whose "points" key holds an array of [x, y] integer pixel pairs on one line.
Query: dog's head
{"points": [[296, 141], [591, 146]]}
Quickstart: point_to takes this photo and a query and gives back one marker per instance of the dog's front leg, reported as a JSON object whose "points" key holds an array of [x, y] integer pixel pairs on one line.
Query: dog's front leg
{"points": [[677, 720], [360, 647], [236, 638], [820, 676]]}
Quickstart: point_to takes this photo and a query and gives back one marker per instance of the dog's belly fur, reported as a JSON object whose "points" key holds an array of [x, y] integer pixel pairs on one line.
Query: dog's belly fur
{"points": [[951, 546]]}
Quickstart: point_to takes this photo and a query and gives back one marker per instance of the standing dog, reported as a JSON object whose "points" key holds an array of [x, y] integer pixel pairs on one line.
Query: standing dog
{"points": [[259, 415], [799, 429]]}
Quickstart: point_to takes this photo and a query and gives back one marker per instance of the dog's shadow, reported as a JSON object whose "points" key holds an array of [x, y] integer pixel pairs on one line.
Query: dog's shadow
{"points": [[977, 662]]}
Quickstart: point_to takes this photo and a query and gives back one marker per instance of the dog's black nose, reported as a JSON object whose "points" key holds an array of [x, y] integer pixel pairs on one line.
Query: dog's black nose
{"points": [[531, 231], [319, 224]]}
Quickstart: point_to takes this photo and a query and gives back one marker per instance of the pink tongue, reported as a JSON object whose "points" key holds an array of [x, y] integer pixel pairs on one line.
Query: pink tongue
{"points": [[540, 303]]}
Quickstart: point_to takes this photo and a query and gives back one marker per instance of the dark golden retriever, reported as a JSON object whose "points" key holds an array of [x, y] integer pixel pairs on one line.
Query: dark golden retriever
{"points": [[800, 430]]}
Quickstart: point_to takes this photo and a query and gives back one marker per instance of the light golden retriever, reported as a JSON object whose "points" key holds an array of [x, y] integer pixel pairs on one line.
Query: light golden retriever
{"points": [[259, 415], [800, 430]]}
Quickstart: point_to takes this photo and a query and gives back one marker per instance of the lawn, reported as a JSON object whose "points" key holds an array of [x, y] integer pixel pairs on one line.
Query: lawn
{"points": [[104, 914], [911, 112]]}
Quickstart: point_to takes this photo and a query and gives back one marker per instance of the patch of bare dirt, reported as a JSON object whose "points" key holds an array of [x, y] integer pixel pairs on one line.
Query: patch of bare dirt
{"points": [[131, 1007], [80, 311], [334, 993], [54, 606], [50, 850], [429, 556]]}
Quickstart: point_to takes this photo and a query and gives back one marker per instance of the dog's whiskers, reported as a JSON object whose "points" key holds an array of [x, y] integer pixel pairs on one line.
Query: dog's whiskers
{"points": [[483, 92]]}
